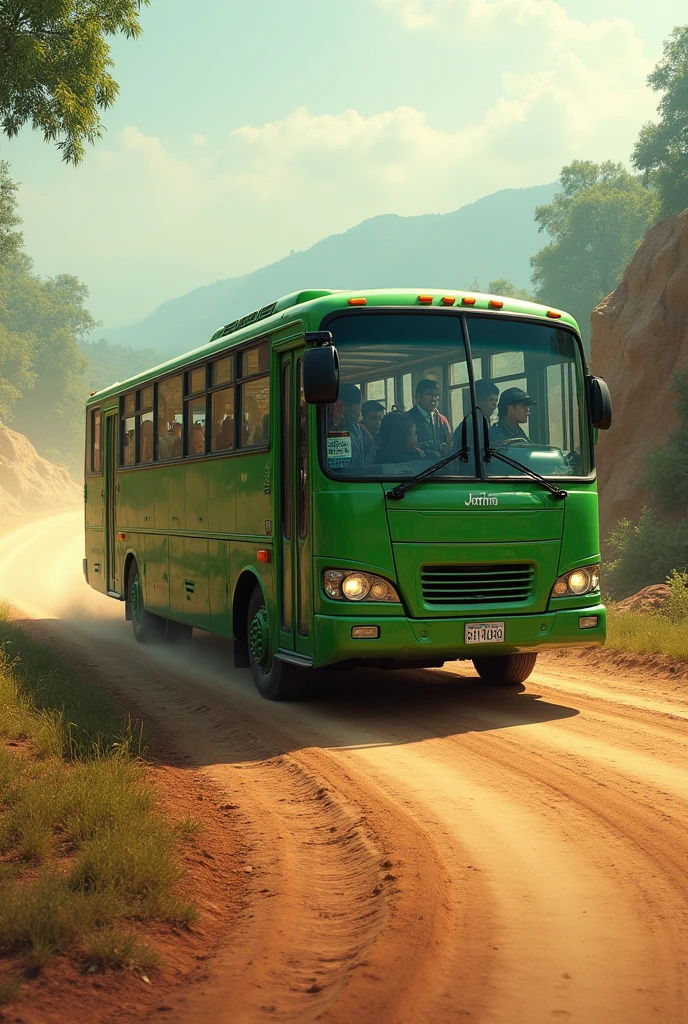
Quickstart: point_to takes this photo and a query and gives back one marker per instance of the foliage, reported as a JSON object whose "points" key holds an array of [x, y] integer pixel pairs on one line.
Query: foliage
{"points": [[662, 148], [676, 608], [109, 363], [55, 66], [666, 468], [647, 634], [83, 845], [595, 224], [645, 553], [42, 371], [508, 289]]}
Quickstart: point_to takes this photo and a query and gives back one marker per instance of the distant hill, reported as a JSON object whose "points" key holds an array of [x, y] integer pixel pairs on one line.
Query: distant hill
{"points": [[491, 238]]}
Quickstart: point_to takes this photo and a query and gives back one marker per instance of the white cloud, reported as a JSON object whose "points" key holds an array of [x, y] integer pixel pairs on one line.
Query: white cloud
{"points": [[141, 223]]}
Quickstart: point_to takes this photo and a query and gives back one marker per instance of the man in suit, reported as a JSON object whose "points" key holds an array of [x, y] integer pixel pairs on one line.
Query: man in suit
{"points": [[433, 433]]}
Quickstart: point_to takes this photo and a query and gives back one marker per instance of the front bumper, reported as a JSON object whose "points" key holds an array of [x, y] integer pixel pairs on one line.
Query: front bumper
{"points": [[415, 640]]}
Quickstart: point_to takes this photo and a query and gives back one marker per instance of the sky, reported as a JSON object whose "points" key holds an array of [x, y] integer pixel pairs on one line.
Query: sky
{"points": [[243, 131]]}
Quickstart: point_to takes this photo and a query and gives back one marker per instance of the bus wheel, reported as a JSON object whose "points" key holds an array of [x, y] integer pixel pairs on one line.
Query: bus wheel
{"points": [[177, 632], [505, 669], [148, 628], [275, 680]]}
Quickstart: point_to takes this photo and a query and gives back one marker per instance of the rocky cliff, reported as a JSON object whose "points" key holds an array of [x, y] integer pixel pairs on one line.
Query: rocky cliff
{"points": [[29, 483], [639, 338]]}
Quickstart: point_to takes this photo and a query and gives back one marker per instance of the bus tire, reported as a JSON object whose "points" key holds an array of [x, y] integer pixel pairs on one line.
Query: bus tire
{"points": [[505, 669], [177, 632], [274, 679], [148, 628]]}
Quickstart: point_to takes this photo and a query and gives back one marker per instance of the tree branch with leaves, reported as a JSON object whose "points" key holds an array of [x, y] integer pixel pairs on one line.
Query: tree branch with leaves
{"points": [[55, 67]]}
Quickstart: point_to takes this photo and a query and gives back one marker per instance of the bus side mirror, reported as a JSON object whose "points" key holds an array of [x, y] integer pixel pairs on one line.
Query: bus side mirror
{"points": [[321, 371], [600, 403]]}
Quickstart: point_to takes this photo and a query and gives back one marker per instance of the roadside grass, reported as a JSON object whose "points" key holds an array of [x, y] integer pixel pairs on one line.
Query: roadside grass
{"points": [[647, 634], [84, 850], [664, 631]]}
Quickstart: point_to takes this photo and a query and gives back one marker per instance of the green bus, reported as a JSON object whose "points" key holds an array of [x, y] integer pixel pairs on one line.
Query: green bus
{"points": [[240, 489]]}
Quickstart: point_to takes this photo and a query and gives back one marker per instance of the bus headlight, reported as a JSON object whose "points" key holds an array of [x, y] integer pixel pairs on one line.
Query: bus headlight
{"points": [[577, 582], [341, 585]]}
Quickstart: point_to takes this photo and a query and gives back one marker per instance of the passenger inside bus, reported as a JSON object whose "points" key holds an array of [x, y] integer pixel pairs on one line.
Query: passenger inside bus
{"points": [[487, 397], [514, 409], [434, 436], [402, 443], [362, 444]]}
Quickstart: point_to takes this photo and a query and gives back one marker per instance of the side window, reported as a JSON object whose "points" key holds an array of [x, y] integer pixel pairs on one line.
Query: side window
{"points": [[137, 427], [170, 417], [254, 396], [145, 424], [128, 430], [95, 445], [195, 412], [223, 420]]}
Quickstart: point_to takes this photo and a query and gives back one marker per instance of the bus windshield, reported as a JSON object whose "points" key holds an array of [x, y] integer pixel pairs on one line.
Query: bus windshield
{"points": [[405, 399]]}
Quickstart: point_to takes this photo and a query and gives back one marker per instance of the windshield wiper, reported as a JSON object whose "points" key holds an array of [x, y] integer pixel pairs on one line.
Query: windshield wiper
{"points": [[400, 490], [492, 453]]}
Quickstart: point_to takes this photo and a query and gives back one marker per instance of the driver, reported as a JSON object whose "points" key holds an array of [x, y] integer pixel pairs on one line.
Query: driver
{"points": [[513, 409]]}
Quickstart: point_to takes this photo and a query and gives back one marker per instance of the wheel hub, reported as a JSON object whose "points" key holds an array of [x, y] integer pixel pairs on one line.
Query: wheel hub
{"points": [[259, 637]]}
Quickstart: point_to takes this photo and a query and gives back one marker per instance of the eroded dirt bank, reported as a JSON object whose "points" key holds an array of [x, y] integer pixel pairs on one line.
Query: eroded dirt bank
{"points": [[423, 848]]}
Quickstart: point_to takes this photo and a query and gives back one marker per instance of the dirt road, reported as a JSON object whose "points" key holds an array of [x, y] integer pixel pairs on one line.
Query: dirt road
{"points": [[426, 849]]}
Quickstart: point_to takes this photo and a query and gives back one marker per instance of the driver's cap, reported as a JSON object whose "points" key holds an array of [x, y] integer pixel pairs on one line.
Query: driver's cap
{"points": [[516, 396]]}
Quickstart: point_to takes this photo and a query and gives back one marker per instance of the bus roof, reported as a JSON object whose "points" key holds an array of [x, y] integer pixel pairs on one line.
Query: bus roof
{"points": [[320, 302]]}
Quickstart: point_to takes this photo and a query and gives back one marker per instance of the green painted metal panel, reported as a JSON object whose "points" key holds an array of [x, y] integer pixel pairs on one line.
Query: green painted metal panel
{"points": [[196, 497], [156, 586], [442, 639], [411, 558], [218, 585], [221, 474]]}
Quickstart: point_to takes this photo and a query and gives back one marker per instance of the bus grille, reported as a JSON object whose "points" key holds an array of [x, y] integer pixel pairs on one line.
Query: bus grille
{"points": [[476, 584]]}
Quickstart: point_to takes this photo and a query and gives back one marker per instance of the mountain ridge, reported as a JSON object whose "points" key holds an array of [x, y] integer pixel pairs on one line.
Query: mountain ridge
{"points": [[491, 238]]}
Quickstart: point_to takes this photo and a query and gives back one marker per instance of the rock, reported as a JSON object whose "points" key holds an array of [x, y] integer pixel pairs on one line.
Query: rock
{"points": [[649, 599], [28, 482], [639, 339]]}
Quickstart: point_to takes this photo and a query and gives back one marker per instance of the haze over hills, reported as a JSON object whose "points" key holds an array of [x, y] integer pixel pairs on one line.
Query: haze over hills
{"points": [[491, 238]]}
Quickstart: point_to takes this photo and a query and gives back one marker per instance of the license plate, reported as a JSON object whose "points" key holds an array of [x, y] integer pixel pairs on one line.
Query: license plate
{"points": [[484, 632]]}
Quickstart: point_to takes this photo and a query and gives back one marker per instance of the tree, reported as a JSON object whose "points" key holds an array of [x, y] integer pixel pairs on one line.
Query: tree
{"points": [[42, 371], [55, 66], [501, 286], [595, 224], [662, 148]]}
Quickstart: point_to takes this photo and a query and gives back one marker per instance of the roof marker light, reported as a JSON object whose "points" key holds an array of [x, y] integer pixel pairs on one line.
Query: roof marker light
{"points": [[358, 302], [448, 300], [425, 300], [554, 315], [467, 300], [496, 303]]}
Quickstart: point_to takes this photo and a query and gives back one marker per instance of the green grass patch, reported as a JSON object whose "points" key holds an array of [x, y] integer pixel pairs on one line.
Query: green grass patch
{"points": [[84, 846], [647, 634]]}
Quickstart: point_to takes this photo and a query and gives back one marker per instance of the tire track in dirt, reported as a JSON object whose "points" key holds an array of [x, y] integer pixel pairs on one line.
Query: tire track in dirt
{"points": [[428, 849]]}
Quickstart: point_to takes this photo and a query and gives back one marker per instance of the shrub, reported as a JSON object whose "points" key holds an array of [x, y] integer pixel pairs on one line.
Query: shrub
{"points": [[646, 553]]}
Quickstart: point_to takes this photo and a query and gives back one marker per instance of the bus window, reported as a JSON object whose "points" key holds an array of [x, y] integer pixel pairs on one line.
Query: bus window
{"points": [[196, 381], [223, 420], [255, 408], [222, 371], [195, 426], [95, 464], [146, 441], [255, 360], [128, 441], [539, 419], [169, 429]]}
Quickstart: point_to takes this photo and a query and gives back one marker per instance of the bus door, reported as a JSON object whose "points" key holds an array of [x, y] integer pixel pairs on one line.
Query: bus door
{"points": [[111, 454], [295, 605]]}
